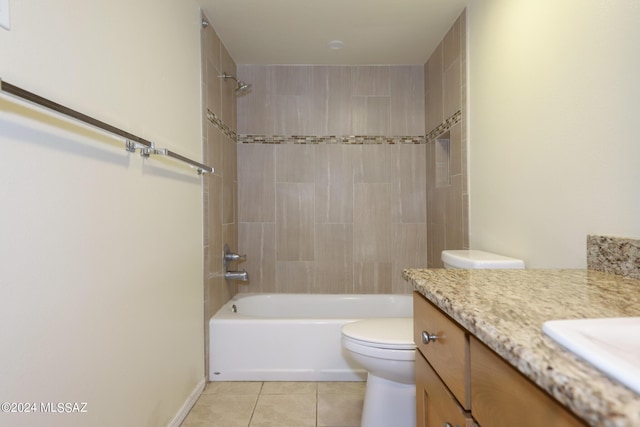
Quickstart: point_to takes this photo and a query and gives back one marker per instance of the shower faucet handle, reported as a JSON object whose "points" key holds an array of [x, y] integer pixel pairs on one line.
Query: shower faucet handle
{"points": [[230, 256]]}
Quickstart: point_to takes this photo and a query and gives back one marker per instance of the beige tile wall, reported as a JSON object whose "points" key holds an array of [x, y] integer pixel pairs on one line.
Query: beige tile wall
{"points": [[340, 219], [332, 218], [220, 189], [332, 100], [348, 216], [447, 191]]}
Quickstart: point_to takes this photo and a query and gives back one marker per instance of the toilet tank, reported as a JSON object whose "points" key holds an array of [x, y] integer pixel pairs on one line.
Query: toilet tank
{"points": [[473, 259]]}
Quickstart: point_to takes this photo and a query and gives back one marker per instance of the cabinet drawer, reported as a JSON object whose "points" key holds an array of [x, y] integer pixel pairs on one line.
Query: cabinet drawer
{"points": [[501, 396], [435, 405], [448, 354]]}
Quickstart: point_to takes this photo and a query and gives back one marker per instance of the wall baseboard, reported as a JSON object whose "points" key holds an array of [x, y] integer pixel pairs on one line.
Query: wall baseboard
{"points": [[188, 404]]}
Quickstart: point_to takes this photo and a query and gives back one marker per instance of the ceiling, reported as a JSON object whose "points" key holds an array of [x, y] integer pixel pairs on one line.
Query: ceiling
{"points": [[298, 31]]}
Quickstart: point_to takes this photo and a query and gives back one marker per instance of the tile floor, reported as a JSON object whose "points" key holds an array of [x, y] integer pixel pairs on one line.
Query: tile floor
{"points": [[278, 404]]}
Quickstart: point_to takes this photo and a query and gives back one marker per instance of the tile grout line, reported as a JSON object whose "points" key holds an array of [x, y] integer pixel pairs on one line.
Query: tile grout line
{"points": [[255, 405], [317, 395]]}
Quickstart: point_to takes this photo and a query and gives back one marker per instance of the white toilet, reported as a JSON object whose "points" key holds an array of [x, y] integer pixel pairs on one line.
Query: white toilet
{"points": [[385, 348]]}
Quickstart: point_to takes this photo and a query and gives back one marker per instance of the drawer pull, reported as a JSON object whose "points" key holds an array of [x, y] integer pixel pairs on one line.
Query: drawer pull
{"points": [[427, 337]]}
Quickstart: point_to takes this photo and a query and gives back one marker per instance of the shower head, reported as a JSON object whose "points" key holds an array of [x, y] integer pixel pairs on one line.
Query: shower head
{"points": [[241, 88]]}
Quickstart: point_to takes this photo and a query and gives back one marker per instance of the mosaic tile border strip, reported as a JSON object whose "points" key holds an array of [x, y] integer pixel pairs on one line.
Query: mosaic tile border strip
{"points": [[614, 255], [222, 126], [331, 139], [444, 126]]}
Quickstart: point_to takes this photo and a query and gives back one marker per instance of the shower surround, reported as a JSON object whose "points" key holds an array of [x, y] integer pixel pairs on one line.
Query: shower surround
{"points": [[331, 177], [343, 171]]}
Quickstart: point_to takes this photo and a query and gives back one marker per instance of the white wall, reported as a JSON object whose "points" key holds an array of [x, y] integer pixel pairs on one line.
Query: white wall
{"points": [[101, 251], [554, 137]]}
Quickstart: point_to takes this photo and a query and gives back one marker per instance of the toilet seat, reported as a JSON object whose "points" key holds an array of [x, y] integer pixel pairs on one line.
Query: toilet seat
{"points": [[394, 333], [389, 354]]}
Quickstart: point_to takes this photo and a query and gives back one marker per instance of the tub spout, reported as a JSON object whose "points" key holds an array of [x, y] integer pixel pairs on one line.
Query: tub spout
{"points": [[237, 276]]}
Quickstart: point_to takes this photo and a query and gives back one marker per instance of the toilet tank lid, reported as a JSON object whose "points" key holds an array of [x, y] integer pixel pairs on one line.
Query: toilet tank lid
{"points": [[479, 259]]}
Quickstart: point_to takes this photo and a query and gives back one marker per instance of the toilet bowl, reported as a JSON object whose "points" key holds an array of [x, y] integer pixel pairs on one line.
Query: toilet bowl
{"points": [[385, 348]]}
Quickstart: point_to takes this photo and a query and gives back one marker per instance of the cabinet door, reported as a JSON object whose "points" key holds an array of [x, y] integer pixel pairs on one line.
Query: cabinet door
{"points": [[435, 405], [448, 354], [502, 397]]}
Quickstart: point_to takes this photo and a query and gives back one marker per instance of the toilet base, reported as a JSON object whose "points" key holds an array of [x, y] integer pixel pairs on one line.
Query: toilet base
{"points": [[388, 403]]}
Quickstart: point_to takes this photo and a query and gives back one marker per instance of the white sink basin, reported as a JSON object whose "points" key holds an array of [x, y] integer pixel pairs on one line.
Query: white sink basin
{"points": [[612, 345]]}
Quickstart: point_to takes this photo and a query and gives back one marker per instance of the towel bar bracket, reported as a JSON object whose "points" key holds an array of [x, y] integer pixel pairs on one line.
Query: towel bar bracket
{"points": [[132, 146]]}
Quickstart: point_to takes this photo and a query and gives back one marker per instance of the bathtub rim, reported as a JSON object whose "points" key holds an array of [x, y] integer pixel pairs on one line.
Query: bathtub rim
{"points": [[225, 313]]}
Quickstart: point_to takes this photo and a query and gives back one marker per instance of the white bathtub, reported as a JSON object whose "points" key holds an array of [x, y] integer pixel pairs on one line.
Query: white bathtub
{"points": [[291, 337]]}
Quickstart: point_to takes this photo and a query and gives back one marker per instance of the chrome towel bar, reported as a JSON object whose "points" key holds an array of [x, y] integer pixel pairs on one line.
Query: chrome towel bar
{"points": [[132, 142]]}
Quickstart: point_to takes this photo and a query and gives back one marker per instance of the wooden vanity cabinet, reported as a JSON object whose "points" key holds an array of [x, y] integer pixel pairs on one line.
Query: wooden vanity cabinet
{"points": [[442, 368], [459, 380], [448, 354], [435, 405], [502, 396]]}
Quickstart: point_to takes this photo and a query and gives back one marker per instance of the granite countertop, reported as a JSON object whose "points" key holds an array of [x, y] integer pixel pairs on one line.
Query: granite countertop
{"points": [[505, 309]]}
